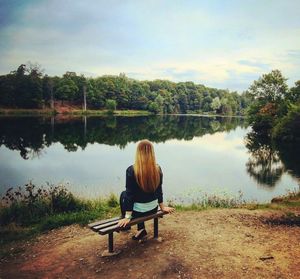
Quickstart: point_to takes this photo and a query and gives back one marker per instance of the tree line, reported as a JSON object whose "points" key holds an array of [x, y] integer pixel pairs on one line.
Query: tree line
{"points": [[28, 87]]}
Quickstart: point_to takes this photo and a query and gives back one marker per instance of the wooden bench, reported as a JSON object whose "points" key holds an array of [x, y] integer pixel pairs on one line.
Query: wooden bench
{"points": [[110, 226]]}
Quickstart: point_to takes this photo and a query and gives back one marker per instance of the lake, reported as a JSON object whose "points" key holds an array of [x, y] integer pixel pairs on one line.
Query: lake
{"points": [[198, 155]]}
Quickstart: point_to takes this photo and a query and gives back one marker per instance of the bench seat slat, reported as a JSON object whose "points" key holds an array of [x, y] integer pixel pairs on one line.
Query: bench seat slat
{"points": [[105, 225], [97, 223], [135, 221]]}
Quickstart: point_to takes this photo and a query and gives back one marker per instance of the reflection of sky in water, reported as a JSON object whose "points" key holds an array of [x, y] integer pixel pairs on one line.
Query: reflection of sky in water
{"points": [[211, 163]]}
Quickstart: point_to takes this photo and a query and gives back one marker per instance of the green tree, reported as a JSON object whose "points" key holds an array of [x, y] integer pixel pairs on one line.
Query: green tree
{"points": [[269, 87], [268, 92], [111, 105], [206, 105], [66, 89], [154, 107], [215, 104], [7, 91], [27, 86]]}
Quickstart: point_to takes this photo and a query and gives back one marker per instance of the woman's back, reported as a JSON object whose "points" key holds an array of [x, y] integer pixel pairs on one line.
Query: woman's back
{"points": [[135, 191]]}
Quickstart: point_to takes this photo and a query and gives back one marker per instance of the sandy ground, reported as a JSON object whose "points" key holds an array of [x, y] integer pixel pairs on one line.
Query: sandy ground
{"points": [[220, 243]]}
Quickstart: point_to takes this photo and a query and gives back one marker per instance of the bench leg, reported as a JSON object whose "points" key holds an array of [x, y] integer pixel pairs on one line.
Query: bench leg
{"points": [[111, 242], [110, 251], [155, 227]]}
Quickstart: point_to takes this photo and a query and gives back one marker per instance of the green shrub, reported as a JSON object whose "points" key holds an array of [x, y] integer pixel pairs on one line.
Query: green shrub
{"points": [[31, 204]]}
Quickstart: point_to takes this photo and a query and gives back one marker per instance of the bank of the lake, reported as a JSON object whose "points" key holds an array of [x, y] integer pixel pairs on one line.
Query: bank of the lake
{"points": [[216, 243], [67, 111], [97, 112], [30, 212]]}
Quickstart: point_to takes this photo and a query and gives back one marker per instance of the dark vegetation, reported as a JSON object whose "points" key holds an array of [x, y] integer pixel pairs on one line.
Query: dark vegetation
{"points": [[30, 210], [275, 111], [28, 87]]}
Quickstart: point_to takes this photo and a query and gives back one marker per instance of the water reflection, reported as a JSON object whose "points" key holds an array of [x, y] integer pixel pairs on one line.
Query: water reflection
{"points": [[30, 135], [268, 161], [203, 153]]}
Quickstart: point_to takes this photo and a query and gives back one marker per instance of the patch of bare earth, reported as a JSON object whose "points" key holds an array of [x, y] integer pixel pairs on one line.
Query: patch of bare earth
{"points": [[225, 243]]}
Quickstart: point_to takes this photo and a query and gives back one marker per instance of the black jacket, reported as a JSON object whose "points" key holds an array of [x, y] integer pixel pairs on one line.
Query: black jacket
{"points": [[134, 193]]}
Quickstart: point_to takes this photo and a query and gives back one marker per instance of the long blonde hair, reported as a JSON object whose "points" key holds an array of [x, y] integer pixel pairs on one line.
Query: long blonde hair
{"points": [[147, 172]]}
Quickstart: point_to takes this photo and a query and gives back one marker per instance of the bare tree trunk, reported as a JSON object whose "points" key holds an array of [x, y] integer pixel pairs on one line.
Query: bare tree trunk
{"points": [[52, 127], [85, 126], [84, 97], [51, 94]]}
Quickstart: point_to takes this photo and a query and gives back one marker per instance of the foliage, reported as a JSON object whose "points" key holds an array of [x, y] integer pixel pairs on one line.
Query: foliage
{"points": [[288, 127], [294, 93], [66, 89], [22, 88], [30, 210], [261, 116], [28, 88], [270, 87], [112, 200], [215, 104], [111, 105], [31, 204], [275, 110]]}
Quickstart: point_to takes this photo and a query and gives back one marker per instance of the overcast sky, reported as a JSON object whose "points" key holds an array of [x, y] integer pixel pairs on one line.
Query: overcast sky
{"points": [[223, 44]]}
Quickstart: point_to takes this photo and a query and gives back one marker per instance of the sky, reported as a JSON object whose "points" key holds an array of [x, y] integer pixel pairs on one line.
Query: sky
{"points": [[222, 44]]}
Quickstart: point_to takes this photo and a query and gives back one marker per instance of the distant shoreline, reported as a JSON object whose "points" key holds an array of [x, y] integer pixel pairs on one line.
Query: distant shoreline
{"points": [[54, 112], [79, 112]]}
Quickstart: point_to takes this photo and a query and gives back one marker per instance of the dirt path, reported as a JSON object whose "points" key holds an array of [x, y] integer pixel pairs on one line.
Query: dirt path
{"points": [[209, 244]]}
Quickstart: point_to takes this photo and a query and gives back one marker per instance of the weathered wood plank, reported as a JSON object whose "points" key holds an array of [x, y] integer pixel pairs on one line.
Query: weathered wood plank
{"points": [[135, 221], [97, 223], [105, 225]]}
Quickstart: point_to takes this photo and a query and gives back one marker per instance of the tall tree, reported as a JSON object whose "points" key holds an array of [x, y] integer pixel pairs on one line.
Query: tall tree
{"points": [[271, 87]]}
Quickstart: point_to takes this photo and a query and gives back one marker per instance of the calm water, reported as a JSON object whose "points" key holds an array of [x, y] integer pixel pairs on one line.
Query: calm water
{"points": [[197, 154]]}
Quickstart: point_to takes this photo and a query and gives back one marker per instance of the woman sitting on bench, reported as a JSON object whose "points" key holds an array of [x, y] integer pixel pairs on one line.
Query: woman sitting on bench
{"points": [[143, 189]]}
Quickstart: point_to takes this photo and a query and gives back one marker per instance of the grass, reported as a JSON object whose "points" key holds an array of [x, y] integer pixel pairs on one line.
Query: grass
{"points": [[290, 200], [192, 201], [28, 211], [224, 200]]}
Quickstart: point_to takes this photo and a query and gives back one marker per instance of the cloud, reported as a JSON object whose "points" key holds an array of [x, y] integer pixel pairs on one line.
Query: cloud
{"points": [[255, 64], [206, 42]]}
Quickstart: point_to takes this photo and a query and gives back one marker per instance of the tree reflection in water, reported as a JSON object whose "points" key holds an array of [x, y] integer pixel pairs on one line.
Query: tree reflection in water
{"points": [[30, 135], [268, 162]]}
